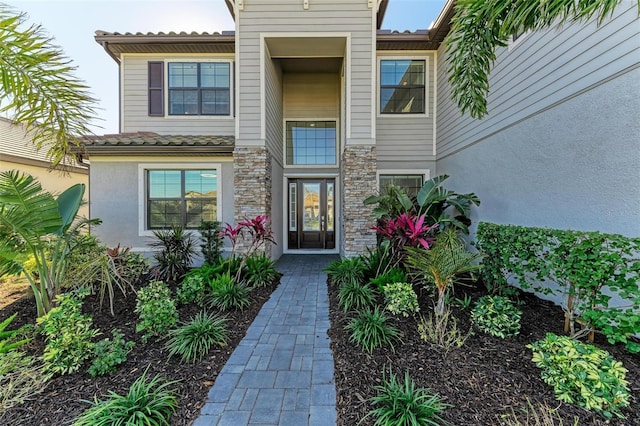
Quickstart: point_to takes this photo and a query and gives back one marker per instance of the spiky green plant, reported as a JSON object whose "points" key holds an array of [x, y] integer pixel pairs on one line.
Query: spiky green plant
{"points": [[194, 338], [346, 270], [371, 330], [354, 295], [226, 294]]}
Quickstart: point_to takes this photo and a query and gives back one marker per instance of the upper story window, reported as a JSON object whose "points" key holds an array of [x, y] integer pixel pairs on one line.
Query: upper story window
{"points": [[194, 88], [199, 88], [402, 86], [311, 143], [181, 197]]}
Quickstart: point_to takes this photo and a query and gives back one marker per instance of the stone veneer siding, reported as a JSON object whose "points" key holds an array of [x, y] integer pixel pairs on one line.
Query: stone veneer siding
{"points": [[252, 187], [359, 182]]}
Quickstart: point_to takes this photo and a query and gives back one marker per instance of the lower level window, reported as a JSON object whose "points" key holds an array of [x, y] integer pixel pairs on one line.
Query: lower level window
{"points": [[410, 183], [181, 197]]}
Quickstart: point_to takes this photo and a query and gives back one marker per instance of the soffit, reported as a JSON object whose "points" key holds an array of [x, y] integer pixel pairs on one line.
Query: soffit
{"points": [[305, 47]]}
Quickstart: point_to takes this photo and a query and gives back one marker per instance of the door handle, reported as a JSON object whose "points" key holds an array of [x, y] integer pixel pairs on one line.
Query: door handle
{"points": [[321, 222]]}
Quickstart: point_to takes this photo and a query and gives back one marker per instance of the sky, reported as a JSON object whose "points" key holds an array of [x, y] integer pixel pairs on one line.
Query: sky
{"points": [[72, 24]]}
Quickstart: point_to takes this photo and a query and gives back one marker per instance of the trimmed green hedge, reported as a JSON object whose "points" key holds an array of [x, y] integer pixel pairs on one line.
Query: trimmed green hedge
{"points": [[589, 267]]}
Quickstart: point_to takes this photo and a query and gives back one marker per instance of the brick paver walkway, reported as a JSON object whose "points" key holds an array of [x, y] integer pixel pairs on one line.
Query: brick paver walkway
{"points": [[281, 373]]}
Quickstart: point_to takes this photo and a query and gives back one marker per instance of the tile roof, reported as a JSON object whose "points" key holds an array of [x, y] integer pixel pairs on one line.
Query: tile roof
{"points": [[155, 141], [101, 33]]}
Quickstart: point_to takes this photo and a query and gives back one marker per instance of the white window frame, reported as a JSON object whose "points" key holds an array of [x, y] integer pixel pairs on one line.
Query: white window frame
{"points": [[143, 168], [397, 57], [232, 85], [310, 166], [426, 174], [512, 44]]}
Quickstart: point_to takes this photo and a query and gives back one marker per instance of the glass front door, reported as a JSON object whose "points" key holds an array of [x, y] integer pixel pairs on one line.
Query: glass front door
{"points": [[311, 214]]}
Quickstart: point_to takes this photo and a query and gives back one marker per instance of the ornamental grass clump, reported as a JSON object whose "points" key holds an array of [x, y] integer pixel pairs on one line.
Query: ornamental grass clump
{"points": [[497, 316], [194, 338], [442, 330], [402, 403], [354, 295], [226, 294], [401, 299], [345, 271], [582, 374], [259, 271], [393, 275], [148, 402], [371, 330]]}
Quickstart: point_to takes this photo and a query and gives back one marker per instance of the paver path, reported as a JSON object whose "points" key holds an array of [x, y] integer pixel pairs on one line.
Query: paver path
{"points": [[281, 373]]}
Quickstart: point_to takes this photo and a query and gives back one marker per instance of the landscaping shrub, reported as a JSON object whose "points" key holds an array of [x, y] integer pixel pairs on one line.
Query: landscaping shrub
{"points": [[539, 414], [193, 339], [109, 353], [212, 242], [259, 271], [402, 403], [591, 268], [68, 334], [226, 294], [393, 275], [497, 316], [442, 330], [377, 261], [192, 288], [582, 374], [355, 295], [346, 270], [21, 378], [148, 402], [8, 338], [370, 330], [156, 310], [176, 253], [401, 299]]}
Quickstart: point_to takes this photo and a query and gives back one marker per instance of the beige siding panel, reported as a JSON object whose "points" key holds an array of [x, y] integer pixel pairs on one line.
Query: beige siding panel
{"points": [[135, 116], [311, 96], [15, 141], [352, 17], [274, 101], [546, 67]]}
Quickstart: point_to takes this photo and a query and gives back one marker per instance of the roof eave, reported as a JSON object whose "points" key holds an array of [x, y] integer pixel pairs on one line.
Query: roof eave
{"points": [[180, 150]]}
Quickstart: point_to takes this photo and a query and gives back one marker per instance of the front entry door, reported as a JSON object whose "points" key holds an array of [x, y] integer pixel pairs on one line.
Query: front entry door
{"points": [[311, 214]]}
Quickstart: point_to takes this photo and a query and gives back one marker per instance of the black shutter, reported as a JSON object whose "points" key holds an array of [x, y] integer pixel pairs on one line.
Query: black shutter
{"points": [[156, 89]]}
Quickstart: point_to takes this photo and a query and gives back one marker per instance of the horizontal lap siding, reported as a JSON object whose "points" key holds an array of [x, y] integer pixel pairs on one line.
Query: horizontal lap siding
{"points": [[14, 141], [311, 96], [546, 67], [273, 80], [288, 16], [135, 116], [406, 141]]}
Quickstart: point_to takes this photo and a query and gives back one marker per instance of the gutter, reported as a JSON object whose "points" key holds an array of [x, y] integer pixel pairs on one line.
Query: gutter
{"points": [[105, 46]]}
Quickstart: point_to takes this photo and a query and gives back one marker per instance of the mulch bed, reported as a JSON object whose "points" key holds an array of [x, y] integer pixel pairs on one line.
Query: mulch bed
{"points": [[64, 398], [484, 380]]}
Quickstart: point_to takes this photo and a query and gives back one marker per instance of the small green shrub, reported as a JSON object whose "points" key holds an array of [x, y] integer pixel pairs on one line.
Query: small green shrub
{"points": [[212, 242], [370, 330], [393, 275], [582, 374], [226, 294], [399, 403], [191, 289], [21, 378], [355, 295], [497, 316], [193, 339], [8, 338], [343, 271], [109, 354], [259, 271], [156, 310], [68, 334], [401, 299], [148, 402], [442, 330]]}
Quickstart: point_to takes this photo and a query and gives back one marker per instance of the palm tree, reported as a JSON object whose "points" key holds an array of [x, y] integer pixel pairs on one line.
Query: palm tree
{"points": [[479, 26], [32, 217], [442, 264], [38, 88]]}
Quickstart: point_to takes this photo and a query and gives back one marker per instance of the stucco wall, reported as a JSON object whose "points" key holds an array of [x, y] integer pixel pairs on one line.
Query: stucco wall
{"points": [[574, 166]]}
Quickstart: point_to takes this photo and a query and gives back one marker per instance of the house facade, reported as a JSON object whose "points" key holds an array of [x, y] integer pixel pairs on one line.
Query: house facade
{"points": [[308, 107], [17, 152]]}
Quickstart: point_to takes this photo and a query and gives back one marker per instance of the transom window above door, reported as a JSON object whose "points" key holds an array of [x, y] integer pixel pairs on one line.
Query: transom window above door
{"points": [[199, 88], [402, 86], [310, 143]]}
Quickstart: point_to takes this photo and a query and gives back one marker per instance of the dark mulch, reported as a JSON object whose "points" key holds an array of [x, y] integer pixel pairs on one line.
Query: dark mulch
{"points": [[64, 398], [483, 380]]}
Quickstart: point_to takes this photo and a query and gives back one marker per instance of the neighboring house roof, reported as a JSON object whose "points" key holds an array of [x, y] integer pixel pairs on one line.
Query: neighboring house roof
{"points": [[152, 143]]}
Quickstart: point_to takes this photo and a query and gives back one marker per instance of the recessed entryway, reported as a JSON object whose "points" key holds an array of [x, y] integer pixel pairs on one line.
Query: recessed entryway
{"points": [[311, 214]]}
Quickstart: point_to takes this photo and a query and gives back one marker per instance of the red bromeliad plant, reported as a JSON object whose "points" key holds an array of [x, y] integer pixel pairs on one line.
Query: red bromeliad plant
{"points": [[406, 230], [259, 231]]}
